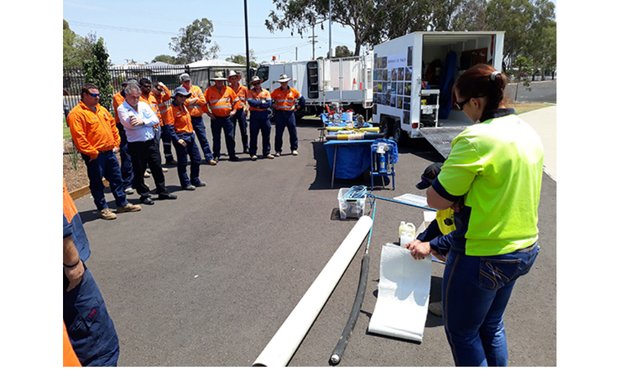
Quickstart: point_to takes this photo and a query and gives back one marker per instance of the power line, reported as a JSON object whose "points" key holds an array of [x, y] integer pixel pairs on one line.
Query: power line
{"points": [[153, 31]]}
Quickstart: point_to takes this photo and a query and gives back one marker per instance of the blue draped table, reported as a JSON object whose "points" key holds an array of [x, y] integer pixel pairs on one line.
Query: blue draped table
{"points": [[348, 158]]}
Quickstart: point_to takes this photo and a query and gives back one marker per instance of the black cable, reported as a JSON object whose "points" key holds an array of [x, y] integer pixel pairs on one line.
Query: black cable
{"points": [[337, 353]]}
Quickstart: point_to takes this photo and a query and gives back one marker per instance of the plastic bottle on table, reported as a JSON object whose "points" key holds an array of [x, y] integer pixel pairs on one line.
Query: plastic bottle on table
{"points": [[406, 233]]}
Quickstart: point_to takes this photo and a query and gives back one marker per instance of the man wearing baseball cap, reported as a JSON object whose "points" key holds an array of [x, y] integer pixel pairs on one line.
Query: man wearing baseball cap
{"points": [[183, 137], [196, 104]]}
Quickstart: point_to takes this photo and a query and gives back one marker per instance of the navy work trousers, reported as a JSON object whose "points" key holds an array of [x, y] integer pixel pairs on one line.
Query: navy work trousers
{"points": [[105, 165], [259, 122], [224, 123], [285, 119]]}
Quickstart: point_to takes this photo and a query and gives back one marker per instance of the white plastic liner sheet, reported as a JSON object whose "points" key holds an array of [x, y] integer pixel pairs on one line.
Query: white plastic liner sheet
{"points": [[403, 295]]}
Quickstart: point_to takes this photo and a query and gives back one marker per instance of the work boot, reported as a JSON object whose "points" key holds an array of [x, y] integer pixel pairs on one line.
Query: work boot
{"points": [[107, 214], [129, 208], [294, 152], [270, 156]]}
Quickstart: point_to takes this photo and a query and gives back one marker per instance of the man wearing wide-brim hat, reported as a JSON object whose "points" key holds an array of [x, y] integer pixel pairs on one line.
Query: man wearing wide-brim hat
{"points": [[240, 116], [259, 101], [221, 101], [285, 101]]}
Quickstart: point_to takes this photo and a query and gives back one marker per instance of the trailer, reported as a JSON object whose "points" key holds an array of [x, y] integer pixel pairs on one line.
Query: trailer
{"points": [[413, 76], [346, 81]]}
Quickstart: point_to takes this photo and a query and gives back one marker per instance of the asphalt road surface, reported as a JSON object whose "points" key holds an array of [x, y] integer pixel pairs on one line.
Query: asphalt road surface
{"points": [[207, 279]]}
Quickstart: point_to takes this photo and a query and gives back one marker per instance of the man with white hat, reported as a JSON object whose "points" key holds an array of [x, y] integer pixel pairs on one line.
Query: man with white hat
{"points": [[221, 101], [259, 101], [196, 104], [241, 108], [286, 100]]}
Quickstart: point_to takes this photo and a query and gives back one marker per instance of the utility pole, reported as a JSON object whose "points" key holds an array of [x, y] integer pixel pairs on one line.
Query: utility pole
{"points": [[330, 29], [246, 48], [313, 41]]}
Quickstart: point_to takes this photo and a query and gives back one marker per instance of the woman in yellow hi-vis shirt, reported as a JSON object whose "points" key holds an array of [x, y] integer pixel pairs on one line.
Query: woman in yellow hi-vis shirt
{"points": [[495, 166]]}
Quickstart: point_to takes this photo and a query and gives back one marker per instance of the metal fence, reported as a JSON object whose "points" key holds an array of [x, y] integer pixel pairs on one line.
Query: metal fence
{"points": [[74, 78]]}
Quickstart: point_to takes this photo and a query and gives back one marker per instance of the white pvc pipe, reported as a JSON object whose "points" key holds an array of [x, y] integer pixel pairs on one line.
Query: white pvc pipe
{"points": [[287, 339]]}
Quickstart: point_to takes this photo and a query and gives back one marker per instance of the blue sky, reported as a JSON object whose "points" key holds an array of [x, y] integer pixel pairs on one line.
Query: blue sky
{"points": [[141, 30]]}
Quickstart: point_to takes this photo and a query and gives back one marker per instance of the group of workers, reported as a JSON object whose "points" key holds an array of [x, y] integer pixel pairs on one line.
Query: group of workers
{"points": [[487, 192], [146, 113]]}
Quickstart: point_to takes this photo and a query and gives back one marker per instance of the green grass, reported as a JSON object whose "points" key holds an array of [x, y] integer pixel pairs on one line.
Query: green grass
{"points": [[66, 130], [528, 107]]}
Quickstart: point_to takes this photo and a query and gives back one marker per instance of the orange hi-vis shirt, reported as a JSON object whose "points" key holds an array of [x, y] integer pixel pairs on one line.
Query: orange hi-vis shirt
{"points": [[221, 103], [261, 96], [93, 132], [118, 99], [241, 94], [198, 109], [285, 100], [164, 106], [181, 117], [70, 358]]}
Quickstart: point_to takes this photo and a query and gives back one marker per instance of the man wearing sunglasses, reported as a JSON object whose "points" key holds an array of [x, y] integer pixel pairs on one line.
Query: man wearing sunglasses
{"points": [[95, 135]]}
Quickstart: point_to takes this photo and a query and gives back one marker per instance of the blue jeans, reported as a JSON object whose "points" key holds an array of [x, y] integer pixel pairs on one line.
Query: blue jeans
{"points": [[90, 329], [475, 293], [105, 165], [200, 131], [240, 117], [285, 119], [125, 158], [259, 121], [166, 142], [182, 160], [228, 129]]}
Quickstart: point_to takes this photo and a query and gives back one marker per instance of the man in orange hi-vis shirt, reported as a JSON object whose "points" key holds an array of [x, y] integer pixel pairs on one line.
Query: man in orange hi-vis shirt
{"points": [[163, 95], [285, 101], [95, 135], [221, 101], [196, 105], [240, 116], [183, 137]]}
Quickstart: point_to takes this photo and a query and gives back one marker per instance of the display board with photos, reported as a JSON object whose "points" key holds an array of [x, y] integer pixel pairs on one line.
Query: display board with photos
{"points": [[392, 82]]}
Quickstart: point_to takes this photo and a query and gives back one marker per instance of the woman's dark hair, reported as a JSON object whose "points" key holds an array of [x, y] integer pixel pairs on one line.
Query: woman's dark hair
{"points": [[482, 80]]}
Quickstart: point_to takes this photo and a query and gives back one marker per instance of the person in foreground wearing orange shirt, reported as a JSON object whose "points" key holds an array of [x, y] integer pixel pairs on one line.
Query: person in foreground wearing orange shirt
{"points": [[95, 135], [221, 101]]}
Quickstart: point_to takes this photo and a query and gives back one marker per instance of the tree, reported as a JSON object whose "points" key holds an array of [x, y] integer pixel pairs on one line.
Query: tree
{"points": [[521, 70], [342, 51], [76, 49], [194, 42], [542, 41], [168, 59], [302, 15], [97, 72], [516, 18], [241, 59]]}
